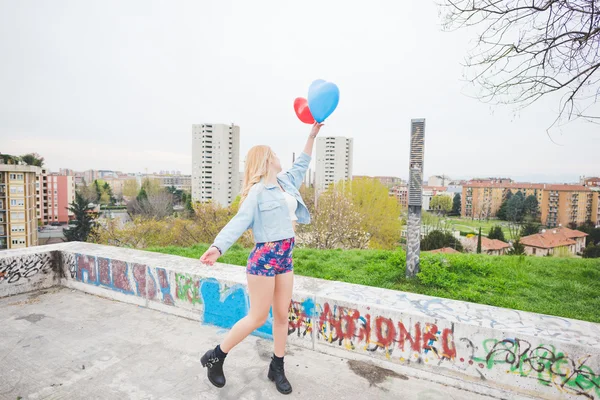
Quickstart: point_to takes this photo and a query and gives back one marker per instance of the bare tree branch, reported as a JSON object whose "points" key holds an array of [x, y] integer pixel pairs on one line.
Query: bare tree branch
{"points": [[529, 49]]}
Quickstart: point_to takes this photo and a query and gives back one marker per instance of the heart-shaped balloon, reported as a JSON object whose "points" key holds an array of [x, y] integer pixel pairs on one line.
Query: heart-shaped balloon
{"points": [[323, 98], [302, 110]]}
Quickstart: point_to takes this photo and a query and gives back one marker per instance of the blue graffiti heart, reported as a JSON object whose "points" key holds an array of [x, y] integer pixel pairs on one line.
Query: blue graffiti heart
{"points": [[226, 309]]}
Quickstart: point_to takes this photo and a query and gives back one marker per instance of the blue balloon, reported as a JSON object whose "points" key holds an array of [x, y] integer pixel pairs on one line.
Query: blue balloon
{"points": [[323, 98]]}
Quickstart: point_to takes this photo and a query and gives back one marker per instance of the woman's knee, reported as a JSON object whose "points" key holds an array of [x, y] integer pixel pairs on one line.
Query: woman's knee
{"points": [[280, 317], [259, 320]]}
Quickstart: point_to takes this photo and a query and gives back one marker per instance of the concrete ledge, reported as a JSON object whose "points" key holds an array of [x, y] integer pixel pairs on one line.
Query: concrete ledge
{"points": [[531, 354]]}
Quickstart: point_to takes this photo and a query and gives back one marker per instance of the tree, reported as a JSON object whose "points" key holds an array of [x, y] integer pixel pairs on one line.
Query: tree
{"points": [[530, 207], [456, 205], [189, 208], [97, 189], [440, 203], [379, 213], [84, 222], [518, 248], [496, 233], [88, 192], [142, 195], [154, 205], [528, 49], [177, 194], [437, 240], [130, 188], [501, 214], [33, 159], [106, 189], [591, 251], [514, 208], [593, 233], [152, 185], [336, 222], [530, 228], [479, 242], [184, 197]]}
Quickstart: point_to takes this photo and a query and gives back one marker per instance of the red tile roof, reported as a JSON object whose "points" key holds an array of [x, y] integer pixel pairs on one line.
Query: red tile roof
{"points": [[548, 240], [491, 244], [571, 233]]}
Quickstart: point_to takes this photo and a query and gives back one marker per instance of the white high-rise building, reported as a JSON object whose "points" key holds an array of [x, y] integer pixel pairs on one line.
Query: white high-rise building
{"points": [[215, 163], [334, 161]]}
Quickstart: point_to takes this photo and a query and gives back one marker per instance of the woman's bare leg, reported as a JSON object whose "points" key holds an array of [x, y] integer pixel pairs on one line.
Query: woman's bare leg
{"points": [[260, 290], [282, 296]]}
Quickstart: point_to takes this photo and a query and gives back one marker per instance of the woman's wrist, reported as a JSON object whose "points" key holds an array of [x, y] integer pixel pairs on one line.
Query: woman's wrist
{"points": [[220, 252]]}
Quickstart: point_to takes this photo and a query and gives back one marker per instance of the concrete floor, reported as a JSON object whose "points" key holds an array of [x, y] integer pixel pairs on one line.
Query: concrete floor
{"points": [[64, 344]]}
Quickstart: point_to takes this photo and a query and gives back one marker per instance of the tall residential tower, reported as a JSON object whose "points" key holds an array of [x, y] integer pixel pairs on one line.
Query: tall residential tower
{"points": [[215, 163]]}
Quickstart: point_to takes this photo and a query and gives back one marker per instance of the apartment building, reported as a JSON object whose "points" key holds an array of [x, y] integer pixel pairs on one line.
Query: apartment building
{"points": [[558, 204], [334, 161], [18, 222], [215, 163]]}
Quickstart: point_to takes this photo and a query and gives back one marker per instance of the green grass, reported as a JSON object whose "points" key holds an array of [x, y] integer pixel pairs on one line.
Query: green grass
{"points": [[472, 226], [566, 287]]}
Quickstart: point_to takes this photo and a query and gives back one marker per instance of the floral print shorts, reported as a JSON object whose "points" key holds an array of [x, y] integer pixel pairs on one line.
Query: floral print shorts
{"points": [[271, 258]]}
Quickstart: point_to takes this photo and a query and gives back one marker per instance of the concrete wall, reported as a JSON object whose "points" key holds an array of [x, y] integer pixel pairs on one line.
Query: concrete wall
{"points": [[537, 355], [25, 270]]}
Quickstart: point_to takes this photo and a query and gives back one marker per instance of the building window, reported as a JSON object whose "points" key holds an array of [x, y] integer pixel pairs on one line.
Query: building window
{"points": [[17, 216], [18, 241], [17, 228], [17, 189]]}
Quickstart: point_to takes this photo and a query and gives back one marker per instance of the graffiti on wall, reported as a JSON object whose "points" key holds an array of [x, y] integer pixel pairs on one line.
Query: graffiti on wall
{"points": [[300, 318], [544, 362], [224, 306], [348, 328], [187, 288], [128, 278], [372, 332], [18, 269]]}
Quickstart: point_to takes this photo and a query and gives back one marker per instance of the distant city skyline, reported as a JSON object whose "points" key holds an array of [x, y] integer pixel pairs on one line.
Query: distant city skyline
{"points": [[117, 85], [534, 178]]}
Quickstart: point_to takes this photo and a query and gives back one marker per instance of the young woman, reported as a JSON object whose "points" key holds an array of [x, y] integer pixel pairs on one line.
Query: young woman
{"points": [[271, 206]]}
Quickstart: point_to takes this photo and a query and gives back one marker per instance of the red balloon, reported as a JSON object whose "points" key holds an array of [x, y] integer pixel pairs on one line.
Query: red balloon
{"points": [[302, 110]]}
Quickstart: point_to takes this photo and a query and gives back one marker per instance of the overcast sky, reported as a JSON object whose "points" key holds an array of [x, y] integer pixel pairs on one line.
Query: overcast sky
{"points": [[118, 84]]}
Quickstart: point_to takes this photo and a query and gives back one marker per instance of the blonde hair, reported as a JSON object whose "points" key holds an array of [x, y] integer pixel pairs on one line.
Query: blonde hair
{"points": [[257, 167]]}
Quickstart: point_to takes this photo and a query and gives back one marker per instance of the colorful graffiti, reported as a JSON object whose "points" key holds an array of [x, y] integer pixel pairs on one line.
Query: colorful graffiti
{"points": [[544, 362], [349, 328], [15, 269], [225, 307], [127, 278], [187, 288], [374, 332], [301, 317]]}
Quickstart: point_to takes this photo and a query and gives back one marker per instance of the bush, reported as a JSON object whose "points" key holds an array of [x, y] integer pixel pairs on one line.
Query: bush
{"points": [[591, 251], [496, 233], [437, 239]]}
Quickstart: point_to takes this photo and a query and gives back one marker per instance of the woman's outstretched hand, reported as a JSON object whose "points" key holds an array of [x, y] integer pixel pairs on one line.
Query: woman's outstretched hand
{"points": [[210, 256], [315, 129]]}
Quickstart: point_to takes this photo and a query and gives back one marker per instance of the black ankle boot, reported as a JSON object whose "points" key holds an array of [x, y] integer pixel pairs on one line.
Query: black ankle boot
{"points": [[214, 366], [277, 375]]}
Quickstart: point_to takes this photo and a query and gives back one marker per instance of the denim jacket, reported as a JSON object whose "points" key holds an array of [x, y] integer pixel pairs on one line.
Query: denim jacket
{"points": [[265, 211]]}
